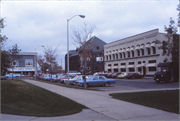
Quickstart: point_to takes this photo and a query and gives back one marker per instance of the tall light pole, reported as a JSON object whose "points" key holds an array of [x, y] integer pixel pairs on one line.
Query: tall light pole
{"points": [[82, 16], [36, 61]]}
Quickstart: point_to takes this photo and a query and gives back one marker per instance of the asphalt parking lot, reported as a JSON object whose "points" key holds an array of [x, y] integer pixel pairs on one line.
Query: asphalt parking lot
{"points": [[137, 84]]}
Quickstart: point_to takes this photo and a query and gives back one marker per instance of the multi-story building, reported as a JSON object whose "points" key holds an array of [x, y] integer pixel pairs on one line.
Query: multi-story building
{"points": [[138, 53], [94, 63], [25, 65]]}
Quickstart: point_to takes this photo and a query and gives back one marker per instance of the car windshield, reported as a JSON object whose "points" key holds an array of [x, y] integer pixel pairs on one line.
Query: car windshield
{"points": [[130, 73], [76, 77], [90, 77], [164, 69]]}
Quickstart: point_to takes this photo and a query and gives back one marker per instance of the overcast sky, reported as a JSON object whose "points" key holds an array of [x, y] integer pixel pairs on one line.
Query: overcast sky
{"points": [[35, 23]]}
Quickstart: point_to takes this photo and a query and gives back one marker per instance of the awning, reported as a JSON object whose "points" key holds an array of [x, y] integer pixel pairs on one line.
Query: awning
{"points": [[147, 45], [153, 44], [142, 46], [130, 66], [132, 48], [122, 66], [137, 47], [140, 65], [115, 66], [151, 65], [128, 49]]}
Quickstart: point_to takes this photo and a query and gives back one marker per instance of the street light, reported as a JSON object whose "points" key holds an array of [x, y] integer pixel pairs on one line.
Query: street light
{"points": [[82, 16], [36, 61]]}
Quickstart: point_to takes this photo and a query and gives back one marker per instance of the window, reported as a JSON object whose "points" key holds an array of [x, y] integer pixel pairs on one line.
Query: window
{"points": [[116, 56], [154, 50], [106, 57], [116, 64], [139, 62], [138, 53], [142, 51], [152, 68], [88, 68], [143, 61], [139, 69], [128, 54], [113, 57], [88, 59], [132, 53], [29, 62], [131, 63], [152, 61], [149, 51], [110, 57], [95, 78], [124, 55], [120, 55], [123, 69], [131, 69], [123, 64], [101, 78], [115, 70], [109, 64], [15, 63]]}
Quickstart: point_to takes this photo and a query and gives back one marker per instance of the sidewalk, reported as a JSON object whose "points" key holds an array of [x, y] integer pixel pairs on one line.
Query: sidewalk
{"points": [[102, 107]]}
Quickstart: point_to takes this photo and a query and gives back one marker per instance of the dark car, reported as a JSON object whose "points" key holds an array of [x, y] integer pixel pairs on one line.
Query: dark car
{"points": [[114, 75], [109, 75], [134, 76]]}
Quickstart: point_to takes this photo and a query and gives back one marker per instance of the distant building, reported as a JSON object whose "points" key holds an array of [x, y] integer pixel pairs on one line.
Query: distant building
{"points": [[25, 65], [138, 53], [93, 64]]}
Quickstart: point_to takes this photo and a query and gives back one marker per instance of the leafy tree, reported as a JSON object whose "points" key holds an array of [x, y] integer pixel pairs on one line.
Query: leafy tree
{"points": [[5, 62], [14, 57], [84, 45]]}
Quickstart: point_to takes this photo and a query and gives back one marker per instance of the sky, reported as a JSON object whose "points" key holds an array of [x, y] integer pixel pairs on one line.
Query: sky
{"points": [[32, 24]]}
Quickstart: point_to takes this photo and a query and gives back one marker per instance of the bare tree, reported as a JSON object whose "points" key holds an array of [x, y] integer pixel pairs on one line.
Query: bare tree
{"points": [[14, 56], [51, 56], [84, 45]]}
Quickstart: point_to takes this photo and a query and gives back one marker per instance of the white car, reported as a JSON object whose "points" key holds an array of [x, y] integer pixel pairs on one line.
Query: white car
{"points": [[122, 75]]}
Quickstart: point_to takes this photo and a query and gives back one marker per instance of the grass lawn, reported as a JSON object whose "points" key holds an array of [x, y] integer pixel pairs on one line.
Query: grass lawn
{"points": [[21, 98], [164, 100]]}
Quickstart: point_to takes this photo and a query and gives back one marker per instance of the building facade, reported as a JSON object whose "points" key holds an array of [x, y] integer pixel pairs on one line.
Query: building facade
{"points": [[25, 65], [138, 53], [95, 63]]}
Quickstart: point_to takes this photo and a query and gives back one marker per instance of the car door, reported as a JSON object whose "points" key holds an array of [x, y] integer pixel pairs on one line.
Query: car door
{"points": [[101, 80], [94, 81]]}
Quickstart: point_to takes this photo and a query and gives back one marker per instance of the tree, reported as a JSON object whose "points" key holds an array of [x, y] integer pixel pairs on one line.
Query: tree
{"points": [[14, 57], [5, 61], [171, 46], [50, 56], [40, 61], [83, 44]]}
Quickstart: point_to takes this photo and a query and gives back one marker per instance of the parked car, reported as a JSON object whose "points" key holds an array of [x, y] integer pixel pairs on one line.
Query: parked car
{"points": [[122, 75], [76, 78], [3, 78], [114, 75], [96, 80], [134, 76], [109, 75], [14, 75]]}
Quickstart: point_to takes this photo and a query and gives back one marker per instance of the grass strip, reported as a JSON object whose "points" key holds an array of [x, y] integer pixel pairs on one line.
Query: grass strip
{"points": [[21, 98], [167, 100]]}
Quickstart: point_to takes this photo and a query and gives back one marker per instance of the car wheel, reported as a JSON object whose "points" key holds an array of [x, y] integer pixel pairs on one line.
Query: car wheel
{"points": [[106, 84], [17, 77], [157, 81]]}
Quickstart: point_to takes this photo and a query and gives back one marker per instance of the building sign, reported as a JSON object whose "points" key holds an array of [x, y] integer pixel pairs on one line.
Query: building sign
{"points": [[99, 59]]}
